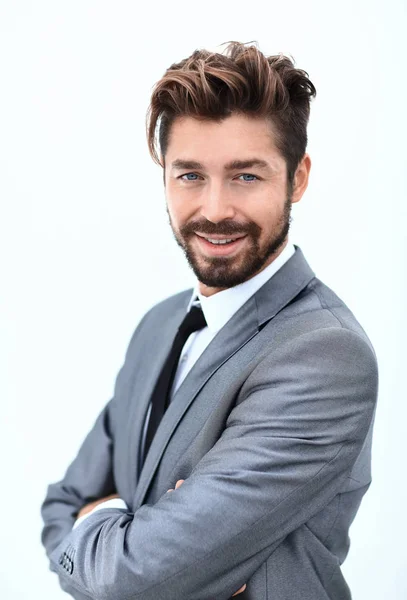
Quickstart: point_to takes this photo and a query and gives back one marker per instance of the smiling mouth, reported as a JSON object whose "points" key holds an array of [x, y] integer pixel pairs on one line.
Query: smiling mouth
{"points": [[214, 238], [220, 246]]}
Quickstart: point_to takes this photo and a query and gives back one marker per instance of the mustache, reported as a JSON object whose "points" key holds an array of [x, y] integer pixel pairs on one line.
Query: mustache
{"points": [[222, 228]]}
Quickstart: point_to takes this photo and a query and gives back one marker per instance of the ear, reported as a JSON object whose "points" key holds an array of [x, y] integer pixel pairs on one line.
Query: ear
{"points": [[301, 177]]}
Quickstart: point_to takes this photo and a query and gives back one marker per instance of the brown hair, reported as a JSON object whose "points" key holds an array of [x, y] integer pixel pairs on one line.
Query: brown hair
{"points": [[210, 85]]}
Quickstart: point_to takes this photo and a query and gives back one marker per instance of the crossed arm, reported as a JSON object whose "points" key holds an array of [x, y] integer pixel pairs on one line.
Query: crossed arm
{"points": [[288, 446], [105, 502]]}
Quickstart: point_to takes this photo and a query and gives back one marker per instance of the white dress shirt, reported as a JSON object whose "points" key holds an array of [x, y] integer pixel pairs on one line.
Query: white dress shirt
{"points": [[218, 309]]}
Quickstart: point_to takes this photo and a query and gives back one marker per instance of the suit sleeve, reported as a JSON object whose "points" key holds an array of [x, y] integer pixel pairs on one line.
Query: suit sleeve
{"points": [[113, 503], [88, 477], [288, 446]]}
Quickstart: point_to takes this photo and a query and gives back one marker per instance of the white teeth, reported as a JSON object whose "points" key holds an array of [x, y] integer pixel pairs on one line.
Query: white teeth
{"points": [[219, 241]]}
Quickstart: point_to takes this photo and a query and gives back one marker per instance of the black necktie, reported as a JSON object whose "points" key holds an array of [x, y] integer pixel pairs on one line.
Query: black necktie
{"points": [[193, 321]]}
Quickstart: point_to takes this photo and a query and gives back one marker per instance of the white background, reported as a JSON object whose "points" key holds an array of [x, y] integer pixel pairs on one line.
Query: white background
{"points": [[86, 249]]}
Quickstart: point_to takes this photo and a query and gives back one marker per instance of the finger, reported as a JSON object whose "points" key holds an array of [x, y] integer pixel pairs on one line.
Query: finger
{"points": [[177, 485], [240, 590]]}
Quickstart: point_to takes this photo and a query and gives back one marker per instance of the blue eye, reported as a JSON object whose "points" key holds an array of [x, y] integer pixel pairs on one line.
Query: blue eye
{"points": [[248, 175], [185, 174]]}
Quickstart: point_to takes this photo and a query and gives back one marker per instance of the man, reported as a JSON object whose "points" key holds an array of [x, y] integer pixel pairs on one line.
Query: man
{"points": [[251, 397]]}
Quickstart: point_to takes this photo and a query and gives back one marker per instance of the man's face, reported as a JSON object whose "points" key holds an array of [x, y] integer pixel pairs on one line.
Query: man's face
{"points": [[218, 200]]}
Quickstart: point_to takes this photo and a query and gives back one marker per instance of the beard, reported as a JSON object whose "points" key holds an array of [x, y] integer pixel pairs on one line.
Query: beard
{"points": [[224, 271]]}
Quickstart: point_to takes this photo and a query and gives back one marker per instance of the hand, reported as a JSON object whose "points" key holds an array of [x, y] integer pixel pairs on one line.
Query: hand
{"points": [[177, 485], [88, 507]]}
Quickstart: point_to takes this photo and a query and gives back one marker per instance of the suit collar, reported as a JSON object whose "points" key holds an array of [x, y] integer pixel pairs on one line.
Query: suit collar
{"points": [[278, 291], [220, 307]]}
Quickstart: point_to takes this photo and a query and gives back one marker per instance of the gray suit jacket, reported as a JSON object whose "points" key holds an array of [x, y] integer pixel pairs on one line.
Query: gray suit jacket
{"points": [[271, 430]]}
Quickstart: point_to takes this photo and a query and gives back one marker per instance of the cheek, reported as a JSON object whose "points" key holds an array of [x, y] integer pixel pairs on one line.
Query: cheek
{"points": [[261, 212], [173, 205], [180, 209], [268, 212], [177, 214]]}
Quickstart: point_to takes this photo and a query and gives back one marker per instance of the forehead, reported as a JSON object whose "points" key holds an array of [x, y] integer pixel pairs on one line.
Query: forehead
{"points": [[208, 142]]}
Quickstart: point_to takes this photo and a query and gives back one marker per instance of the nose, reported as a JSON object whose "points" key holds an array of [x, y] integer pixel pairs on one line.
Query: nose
{"points": [[216, 204]]}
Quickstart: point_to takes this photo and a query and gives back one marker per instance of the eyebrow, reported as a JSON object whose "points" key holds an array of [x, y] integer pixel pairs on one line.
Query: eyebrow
{"points": [[230, 166]]}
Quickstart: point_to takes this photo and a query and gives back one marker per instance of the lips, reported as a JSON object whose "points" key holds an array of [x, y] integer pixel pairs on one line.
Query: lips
{"points": [[220, 249], [232, 236]]}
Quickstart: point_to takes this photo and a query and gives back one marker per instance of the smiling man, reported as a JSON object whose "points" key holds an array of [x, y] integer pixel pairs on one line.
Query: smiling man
{"points": [[251, 397]]}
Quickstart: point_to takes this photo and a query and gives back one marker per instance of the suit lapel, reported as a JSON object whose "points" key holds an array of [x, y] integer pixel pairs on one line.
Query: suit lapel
{"points": [[154, 358], [280, 289]]}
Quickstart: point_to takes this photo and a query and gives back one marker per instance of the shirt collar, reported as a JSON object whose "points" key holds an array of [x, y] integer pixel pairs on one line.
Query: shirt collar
{"points": [[220, 307]]}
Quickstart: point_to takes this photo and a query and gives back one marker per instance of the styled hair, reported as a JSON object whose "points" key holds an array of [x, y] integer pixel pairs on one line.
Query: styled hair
{"points": [[212, 86]]}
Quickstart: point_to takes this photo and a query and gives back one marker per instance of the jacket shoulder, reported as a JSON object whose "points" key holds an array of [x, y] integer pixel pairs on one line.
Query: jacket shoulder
{"points": [[170, 304], [160, 311], [339, 310]]}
